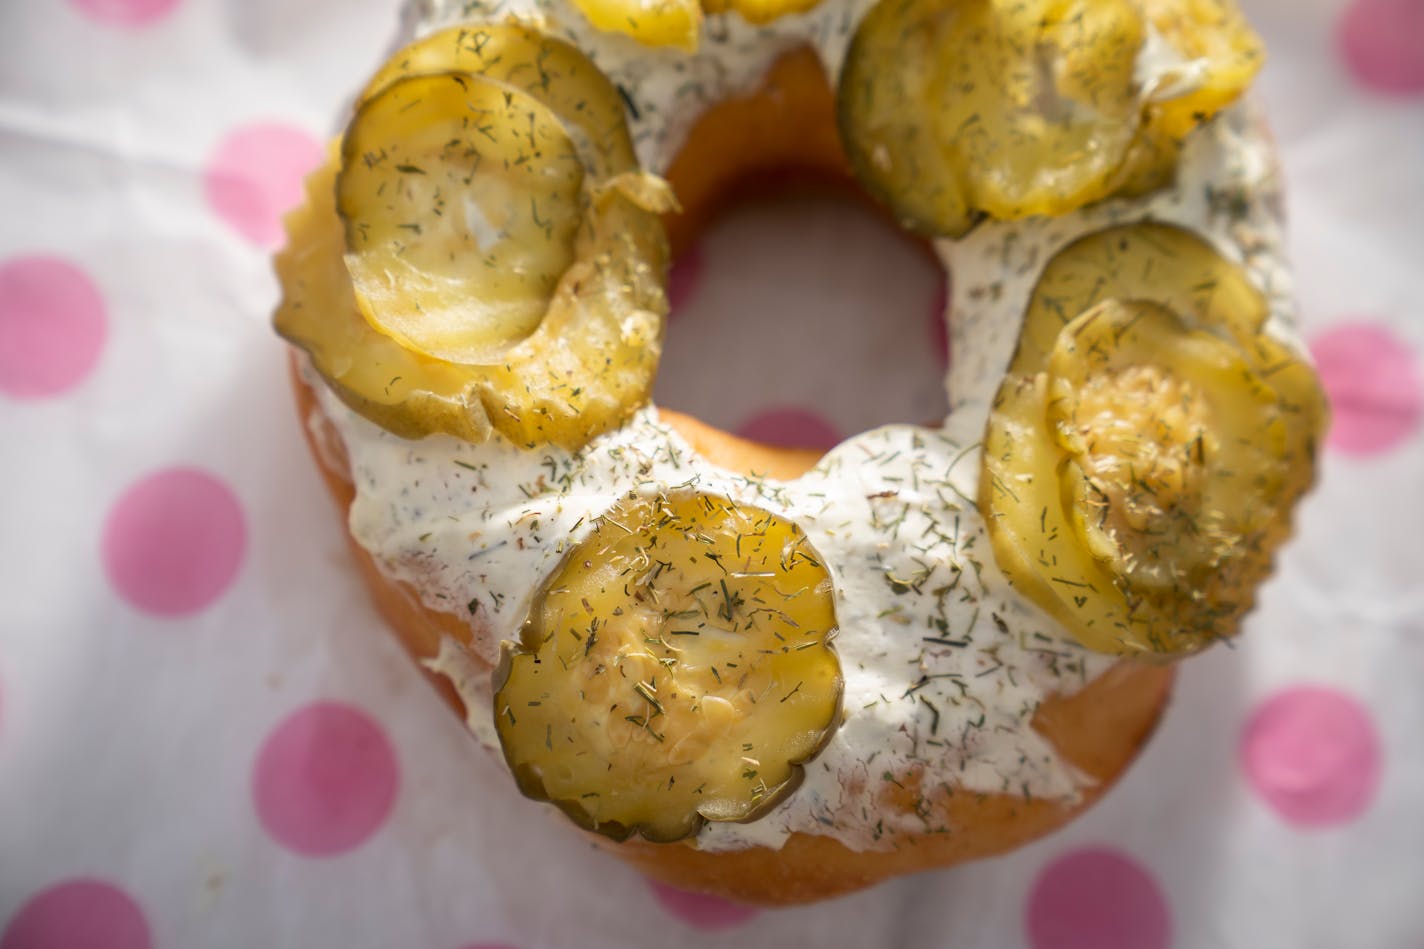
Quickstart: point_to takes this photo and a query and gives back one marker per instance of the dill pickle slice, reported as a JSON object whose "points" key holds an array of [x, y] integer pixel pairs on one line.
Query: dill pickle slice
{"points": [[1219, 52], [522, 58], [951, 110], [460, 200], [589, 362], [1148, 444], [397, 389], [760, 11], [676, 23], [1203, 55], [887, 115], [1160, 263], [582, 372], [954, 107], [676, 668]]}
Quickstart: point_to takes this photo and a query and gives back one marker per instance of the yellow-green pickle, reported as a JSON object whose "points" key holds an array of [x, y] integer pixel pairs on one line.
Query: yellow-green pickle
{"points": [[501, 260], [676, 668], [953, 110], [1148, 443]]}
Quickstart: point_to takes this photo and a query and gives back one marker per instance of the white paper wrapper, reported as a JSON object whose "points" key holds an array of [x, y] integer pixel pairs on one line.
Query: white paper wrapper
{"points": [[207, 738]]}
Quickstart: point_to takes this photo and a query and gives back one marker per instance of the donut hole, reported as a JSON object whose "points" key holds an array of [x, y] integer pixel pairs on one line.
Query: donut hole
{"points": [[808, 317], [802, 314]]}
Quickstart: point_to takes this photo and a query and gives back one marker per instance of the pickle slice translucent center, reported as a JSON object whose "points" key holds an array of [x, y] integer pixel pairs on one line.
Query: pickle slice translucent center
{"points": [[460, 198]]}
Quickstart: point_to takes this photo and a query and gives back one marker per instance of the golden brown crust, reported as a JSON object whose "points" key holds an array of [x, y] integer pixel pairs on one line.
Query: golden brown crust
{"points": [[1100, 730], [739, 454], [788, 125]]}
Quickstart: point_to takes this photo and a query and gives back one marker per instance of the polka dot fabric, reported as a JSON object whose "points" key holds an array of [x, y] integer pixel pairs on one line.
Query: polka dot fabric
{"points": [[702, 912], [131, 14], [255, 175], [325, 780], [1374, 382], [1097, 898], [52, 327], [1382, 42], [83, 914], [206, 737], [173, 541], [1312, 755]]}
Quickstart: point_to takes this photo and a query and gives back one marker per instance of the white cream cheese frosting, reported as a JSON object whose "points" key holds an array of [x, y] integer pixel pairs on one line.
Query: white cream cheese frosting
{"points": [[944, 663]]}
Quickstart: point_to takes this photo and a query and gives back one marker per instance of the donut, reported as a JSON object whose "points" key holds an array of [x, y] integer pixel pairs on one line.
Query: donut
{"points": [[772, 674]]}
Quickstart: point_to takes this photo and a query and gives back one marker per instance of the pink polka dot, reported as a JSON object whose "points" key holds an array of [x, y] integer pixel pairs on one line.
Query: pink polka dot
{"points": [[255, 176], [790, 428], [939, 330], [173, 541], [700, 911], [1382, 42], [1097, 898], [325, 779], [1313, 755], [1373, 381], [52, 326], [683, 279], [133, 13], [78, 914]]}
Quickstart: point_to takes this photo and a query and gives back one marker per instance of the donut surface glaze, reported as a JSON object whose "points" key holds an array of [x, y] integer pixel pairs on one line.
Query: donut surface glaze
{"points": [[971, 720]]}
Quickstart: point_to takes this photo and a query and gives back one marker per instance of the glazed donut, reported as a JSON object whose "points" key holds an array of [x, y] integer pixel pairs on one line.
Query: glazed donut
{"points": [[766, 673]]}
